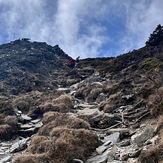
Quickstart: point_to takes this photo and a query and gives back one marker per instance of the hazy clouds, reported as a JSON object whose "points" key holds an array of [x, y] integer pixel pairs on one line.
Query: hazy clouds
{"points": [[88, 28]]}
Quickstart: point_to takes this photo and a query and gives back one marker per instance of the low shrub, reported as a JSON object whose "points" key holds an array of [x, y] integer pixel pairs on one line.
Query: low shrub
{"points": [[75, 144], [61, 107], [150, 156], [107, 105], [156, 102], [63, 146], [83, 92], [93, 94], [39, 158], [61, 120], [8, 127], [6, 108], [5, 132], [64, 99], [11, 120], [35, 144], [23, 103], [159, 125], [49, 107]]}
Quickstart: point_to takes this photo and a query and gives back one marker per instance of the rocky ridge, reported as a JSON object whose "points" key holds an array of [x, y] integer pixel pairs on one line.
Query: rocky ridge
{"points": [[115, 104]]}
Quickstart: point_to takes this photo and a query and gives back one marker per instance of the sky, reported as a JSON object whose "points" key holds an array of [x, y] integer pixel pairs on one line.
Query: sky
{"points": [[85, 28]]}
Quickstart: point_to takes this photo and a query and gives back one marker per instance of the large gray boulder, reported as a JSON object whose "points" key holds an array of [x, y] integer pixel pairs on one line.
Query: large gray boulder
{"points": [[142, 137]]}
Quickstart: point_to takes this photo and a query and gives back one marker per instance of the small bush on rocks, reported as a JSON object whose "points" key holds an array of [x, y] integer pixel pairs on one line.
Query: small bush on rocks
{"points": [[8, 127], [37, 158], [150, 156], [6, 108], [156, 102], [64, 99], [52, 120], [63, 146]]}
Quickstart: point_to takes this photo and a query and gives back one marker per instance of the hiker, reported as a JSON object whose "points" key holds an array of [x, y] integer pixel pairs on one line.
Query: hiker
{"points": [[71, 63]]}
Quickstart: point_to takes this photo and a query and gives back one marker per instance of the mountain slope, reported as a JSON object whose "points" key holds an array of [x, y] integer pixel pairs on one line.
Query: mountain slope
{"points": [[23, 62], [80, 108]]}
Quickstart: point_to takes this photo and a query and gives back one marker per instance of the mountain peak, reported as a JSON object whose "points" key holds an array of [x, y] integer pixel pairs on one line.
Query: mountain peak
{"points": [[21, 60]]}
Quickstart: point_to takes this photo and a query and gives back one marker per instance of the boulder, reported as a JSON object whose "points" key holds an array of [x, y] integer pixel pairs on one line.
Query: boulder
{"points": [[25, 118], [125, 143], [19, 146], [103, 147], [114, 138], [140, 138]]}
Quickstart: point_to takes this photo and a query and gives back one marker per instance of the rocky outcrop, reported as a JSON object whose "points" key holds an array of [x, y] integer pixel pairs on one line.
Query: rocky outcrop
{"points": [[27, 66]]}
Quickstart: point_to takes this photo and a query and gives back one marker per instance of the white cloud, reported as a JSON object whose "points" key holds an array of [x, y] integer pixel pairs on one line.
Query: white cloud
{"points": [[82, 27], [63, 27], [142, 18], [71, 18]]}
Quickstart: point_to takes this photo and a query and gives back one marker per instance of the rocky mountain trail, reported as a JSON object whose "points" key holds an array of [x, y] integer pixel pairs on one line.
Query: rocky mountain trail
{"points": [[123, 144], [117, 142], [104, 110], [120, 140]]}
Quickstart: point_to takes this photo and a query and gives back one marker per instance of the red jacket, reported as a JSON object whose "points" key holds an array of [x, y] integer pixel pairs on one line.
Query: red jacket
{"points": [[71, 62]]}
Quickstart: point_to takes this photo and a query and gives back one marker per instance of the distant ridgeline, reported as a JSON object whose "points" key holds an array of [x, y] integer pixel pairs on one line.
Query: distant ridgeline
{"points": [[156, 37]]}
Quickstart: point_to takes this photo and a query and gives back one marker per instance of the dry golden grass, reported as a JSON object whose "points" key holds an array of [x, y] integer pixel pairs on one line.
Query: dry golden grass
{"points": [[49, 107], [87, 118], [43, 147], [107, 87], [89, 92], [23, 103], [161, 137], [12, 121], [64, 99], [2, 116], [27, 102], [93, 94], [156, 102], [50, 116], [39, 158], [52, 120], [61, 107], [159, 124], [58, 131], [63, 104], [71, 81], [150, 156], [6, 108], [5, 132], [8, 127], [35, 144], [106, 106], [83, 92], [61, 138], [63, 146], [75, 144]]}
